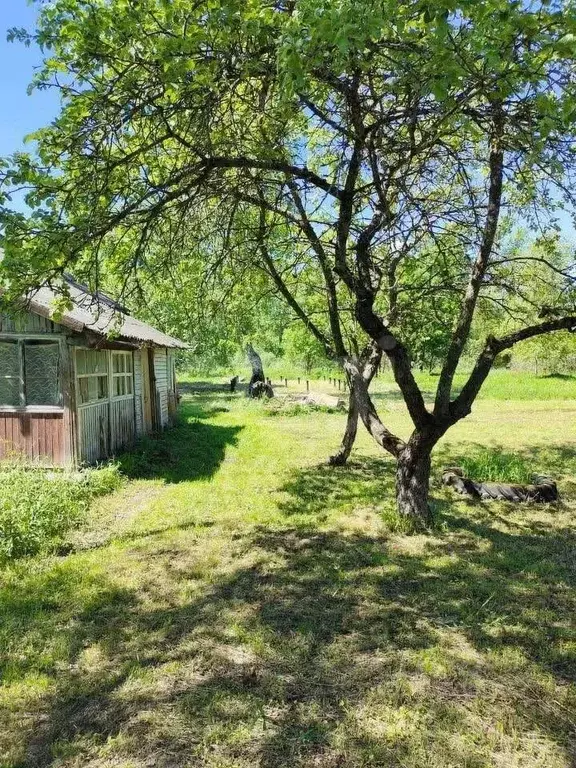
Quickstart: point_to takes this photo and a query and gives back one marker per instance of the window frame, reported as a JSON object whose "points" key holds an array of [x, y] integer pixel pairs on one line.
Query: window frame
{"points": [[98, 375], [20, 341], [125, 374], [111, 377]]}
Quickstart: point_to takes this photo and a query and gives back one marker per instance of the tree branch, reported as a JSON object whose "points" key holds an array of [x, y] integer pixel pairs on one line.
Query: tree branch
{"points": [[463, 325], [461, 405]]}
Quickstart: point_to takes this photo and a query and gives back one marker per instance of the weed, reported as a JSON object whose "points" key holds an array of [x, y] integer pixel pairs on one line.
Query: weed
{"points": [[38, 506]]}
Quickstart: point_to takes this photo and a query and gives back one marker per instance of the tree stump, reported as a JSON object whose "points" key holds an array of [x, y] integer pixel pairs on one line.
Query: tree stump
{"points": [[258, 386]]}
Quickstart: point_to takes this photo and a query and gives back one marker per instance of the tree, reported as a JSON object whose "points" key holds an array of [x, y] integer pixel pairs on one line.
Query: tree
{"points": [[355, 146]]}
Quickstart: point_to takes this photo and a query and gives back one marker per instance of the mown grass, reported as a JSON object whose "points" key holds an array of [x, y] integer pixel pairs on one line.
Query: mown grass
{"points": [[238, 603]]}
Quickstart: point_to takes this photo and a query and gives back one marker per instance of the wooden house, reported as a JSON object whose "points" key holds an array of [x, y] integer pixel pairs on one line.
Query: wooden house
{"points": [[81, 389]]}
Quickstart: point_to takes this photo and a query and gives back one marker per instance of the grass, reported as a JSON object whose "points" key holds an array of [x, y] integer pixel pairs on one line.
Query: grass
{"points": [[237, 603], [38, 506], [489, 465]]}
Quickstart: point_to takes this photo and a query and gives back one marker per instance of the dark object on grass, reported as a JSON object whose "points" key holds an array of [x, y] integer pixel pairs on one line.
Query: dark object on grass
{"points": [[260, 389], [543, 490], [258, 386], [233, 383]]}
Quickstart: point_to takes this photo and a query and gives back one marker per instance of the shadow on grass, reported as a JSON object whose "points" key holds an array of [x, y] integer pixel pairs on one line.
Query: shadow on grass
{"points": [[305, 648], [314, 490], [191, 450], [560, 376]]}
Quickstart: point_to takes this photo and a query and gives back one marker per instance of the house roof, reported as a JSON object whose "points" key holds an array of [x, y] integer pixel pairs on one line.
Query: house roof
{"points": [[99, 314]]}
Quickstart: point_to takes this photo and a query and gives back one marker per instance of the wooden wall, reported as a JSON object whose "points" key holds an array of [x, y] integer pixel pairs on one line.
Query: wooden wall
{"points": [[81, 433], [161, 374], [27, 322], [138, 392], [122, 426], [37, 437], [93, 432]]}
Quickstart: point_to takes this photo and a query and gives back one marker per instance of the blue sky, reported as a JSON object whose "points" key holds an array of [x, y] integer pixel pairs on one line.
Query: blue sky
{"points": [[21, 114]]}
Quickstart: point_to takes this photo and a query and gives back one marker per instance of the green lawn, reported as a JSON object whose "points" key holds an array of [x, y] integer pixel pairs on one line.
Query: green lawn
{"points": [[238, 604]]}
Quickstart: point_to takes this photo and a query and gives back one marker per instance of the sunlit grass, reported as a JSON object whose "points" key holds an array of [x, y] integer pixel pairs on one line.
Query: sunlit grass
{"points": [[237, 604]]}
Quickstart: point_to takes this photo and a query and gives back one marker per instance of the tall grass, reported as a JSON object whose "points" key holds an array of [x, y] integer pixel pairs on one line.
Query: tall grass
{"points": [[495, 466], [37, 506]]}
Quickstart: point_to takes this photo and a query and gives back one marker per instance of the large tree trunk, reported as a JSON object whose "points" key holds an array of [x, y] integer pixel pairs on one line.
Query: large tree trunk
{"points": [[258, 385], [341, 456], [412, 486]]}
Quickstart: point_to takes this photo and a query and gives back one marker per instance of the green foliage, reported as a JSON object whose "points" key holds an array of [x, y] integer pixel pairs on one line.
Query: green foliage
{"points": [[492, 465], [302, 349], [37, 507]]}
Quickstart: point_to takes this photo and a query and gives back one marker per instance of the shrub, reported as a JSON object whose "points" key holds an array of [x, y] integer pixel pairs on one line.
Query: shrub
{"points": [[38, 506]]}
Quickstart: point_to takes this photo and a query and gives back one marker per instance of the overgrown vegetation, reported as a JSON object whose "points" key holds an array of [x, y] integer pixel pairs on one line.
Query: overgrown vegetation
{"points": [[497, 466], [37, 506]]}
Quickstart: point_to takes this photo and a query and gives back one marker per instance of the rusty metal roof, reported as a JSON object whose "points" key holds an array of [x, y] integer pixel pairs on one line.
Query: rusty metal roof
{"points": [[99, 314]]}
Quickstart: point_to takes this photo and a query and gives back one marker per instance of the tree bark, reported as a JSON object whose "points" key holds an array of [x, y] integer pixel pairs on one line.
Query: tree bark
{"points": [[258, 385], [412, 487], [341, 456], [369, 363]]}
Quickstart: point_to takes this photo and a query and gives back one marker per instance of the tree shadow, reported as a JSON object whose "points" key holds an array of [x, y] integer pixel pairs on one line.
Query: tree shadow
{"points": [[561, 376], [306, 645], [314, 490], [191, 450]]}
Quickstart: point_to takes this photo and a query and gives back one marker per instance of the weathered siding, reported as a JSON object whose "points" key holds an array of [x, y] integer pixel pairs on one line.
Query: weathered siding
{"points": [[138, 393], [38, 437], [27, 322], [172, 390], [161, 375], [121, 423], [93, 432]]}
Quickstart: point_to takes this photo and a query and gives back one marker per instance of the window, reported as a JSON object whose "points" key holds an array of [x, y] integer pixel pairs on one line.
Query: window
{"points": [[30, 373], [92, 375], [122, 374], [42, 373]]}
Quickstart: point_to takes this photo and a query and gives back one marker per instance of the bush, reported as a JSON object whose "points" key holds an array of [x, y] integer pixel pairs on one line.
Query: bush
{"points": [[38, 506]]}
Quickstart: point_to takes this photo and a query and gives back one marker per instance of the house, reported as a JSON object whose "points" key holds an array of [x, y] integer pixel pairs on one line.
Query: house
{"points": [[81, 389]]}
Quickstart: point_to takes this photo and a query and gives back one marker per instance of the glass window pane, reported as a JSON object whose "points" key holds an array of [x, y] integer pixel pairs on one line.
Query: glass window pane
{"points": [[80, 361], [83, 393], [10, 391], [129, 362], [9, 359], [102, 388], [93, 388], [9, 374], [42, 373], [95, 361], [129, 385]]}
